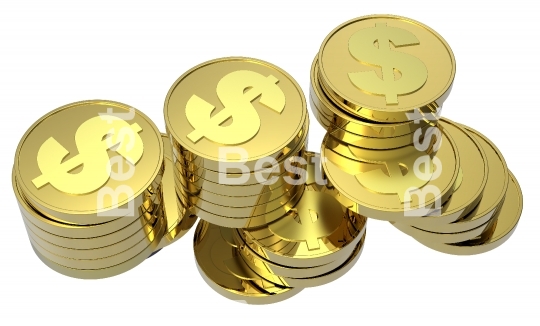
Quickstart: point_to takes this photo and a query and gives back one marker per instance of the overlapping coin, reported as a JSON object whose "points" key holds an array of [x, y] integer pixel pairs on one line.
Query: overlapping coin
{"points": [[316, 242], [378, 85]]}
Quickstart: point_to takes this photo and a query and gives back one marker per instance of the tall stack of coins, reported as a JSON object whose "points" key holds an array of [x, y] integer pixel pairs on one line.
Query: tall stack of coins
{"points": [[89, 190], [315, 243], [378, 84], [235, 164], [239, 144]]}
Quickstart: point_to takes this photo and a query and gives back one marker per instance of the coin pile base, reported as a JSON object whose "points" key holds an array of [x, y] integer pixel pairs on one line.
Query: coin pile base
{"points": [[388, 154], [315, 243], [67, 177]]}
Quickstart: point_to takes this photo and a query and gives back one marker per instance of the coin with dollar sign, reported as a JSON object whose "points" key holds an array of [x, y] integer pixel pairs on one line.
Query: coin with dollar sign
{"points": [[235, 109], [383, 68], [94, 169], [315, 232], [393, 185]]}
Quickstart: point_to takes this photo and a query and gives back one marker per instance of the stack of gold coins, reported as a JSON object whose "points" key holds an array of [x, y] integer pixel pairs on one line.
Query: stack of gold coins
{"points": [[87, 177], [316, 242], [378, 84], [484, 208], [179, 218], [236, 139], [239, 144]]}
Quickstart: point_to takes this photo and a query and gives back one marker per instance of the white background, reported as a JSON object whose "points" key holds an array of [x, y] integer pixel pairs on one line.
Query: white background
{"points": [[56, 52]]}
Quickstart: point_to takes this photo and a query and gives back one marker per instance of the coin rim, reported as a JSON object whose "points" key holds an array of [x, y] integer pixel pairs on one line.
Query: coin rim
{"points": [[120, 105], [174, 134], [397, 111]]}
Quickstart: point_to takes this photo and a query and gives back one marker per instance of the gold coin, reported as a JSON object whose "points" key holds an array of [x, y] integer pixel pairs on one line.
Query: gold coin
{"points": [[193, 184], [373, 142], [468, 193], [330, 115], [271, 165], [446, 237], [155, 235], [188, 158], [119, 268], [237, 159], [238, 201], [123, 245], [243, 102], [382, 67], [91, 170], [261, 216], [244, 211], [288, 271], [179, 218], [315, 232], [318, 280], [492, 197], [83, 237], [237, 179], [110, 241], [383, 184], [506, 223], [225, 272], [105, 272]]}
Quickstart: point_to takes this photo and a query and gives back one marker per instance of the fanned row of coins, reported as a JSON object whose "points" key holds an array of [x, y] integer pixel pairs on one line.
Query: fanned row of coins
{"points": [[378, 84], [97, 194], [241, 165]]}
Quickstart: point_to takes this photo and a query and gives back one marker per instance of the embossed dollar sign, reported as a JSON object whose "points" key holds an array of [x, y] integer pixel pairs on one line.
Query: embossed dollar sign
{"points": [[395, 175], [236, 91], [93, 138], [304, 224], [402, 73]]}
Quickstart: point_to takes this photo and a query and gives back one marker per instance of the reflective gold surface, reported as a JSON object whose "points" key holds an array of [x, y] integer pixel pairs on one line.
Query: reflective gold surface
{"points": [[266, 195], [315, 232], [377, 86], [179, 218], [493, 195], [90, 191], [382, 67], [264, 217], [84, 237], [230, 92], [104, 272], [256, 99], [506, 223], [116, 239], [447, 237], [266, 203], [84, 259], [474, 167], [330, 115], [195, 185], [51, 148], [224, 270], [317, 280], [186, 160], [382, 185]]}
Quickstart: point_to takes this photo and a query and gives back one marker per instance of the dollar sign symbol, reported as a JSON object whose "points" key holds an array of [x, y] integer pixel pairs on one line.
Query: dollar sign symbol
{"points": [[93, 138], [402, 73], [394, 176], [236, 91], [304, 222]]}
